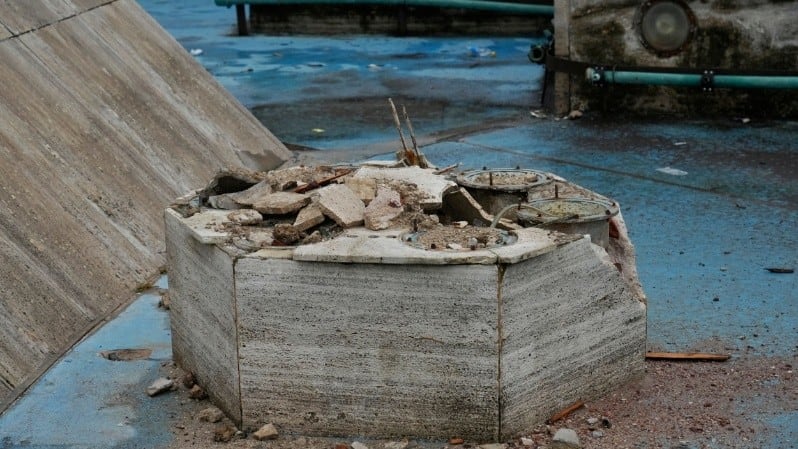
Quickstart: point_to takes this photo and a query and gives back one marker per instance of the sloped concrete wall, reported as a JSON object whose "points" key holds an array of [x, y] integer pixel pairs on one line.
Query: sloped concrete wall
{"points": [[104, 118]]}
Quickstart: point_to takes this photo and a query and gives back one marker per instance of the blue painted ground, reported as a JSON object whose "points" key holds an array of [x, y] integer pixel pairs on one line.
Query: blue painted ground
{"points": [[87, 401], [704, 233]]}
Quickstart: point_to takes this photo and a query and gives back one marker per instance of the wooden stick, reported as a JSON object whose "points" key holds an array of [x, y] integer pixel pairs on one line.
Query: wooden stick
{"points": [[323, 182], [398, 124], [563, 413], [443, 170], [412, 134], [696, 356]]}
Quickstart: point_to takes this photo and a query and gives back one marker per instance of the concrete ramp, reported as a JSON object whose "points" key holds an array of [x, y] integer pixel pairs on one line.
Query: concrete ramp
{"points": [[104, 118]]}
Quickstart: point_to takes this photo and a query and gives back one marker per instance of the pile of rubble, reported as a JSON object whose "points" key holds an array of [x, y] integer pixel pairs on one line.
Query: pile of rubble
{"points": [[304, 205]]}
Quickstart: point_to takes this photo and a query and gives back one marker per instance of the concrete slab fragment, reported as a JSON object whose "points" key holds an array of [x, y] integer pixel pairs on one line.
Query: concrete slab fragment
{"points": [[279, 203], [340, 203], [434, 186], [310, 216], [364, 188], [253, 194], [365, 246], [460, 205], [386, 206]]}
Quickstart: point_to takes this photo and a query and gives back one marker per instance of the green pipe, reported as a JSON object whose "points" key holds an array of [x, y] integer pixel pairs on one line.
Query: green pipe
{"points": [[692, 79], [482, 5]]}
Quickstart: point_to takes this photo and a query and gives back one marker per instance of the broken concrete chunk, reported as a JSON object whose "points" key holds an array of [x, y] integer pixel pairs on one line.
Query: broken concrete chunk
{"points": [[251, 195], [385, 207], [461, 205], [245, 217], [224, 202], [396, 444], [433, 186], [210, 414], [279, 203], [309, 217], [359, 445], [267, 432], [160, 385], [197, 392], [315, 237], [340, 203], [364, 188]]}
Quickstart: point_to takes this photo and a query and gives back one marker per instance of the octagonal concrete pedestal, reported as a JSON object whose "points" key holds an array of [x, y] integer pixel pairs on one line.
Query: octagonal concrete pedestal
{"points": [[365, 335]]}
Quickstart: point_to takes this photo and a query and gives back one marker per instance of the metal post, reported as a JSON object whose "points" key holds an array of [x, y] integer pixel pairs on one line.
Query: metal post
{"points": [[241, 16]]}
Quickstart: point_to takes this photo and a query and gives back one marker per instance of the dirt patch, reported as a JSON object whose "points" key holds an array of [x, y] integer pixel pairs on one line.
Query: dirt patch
{"points": [[685, 405]]}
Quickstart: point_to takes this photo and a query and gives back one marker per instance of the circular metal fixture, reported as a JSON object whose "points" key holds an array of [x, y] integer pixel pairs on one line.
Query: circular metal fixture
{"points": [[665, 26]]}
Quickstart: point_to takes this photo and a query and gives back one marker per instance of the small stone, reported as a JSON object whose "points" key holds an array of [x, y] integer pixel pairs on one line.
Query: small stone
{"points": [[279, 203], [565, 439], [197, 392], [267, 432], [527, 441], [188, 380], [493, 446], [224, 433], [597, 434], [359, 445], [342, 446], [459, 224], [396, 444], [456, 440], [210, 414], [245, 217], [454, 246], [165, 303], [160, 385], [575, 114], [286, 234], [592, 421], [315, 237]]}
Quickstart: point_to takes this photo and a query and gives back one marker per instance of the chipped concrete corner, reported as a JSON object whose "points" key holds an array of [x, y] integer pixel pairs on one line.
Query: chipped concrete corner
{"points": [[432, 326]]}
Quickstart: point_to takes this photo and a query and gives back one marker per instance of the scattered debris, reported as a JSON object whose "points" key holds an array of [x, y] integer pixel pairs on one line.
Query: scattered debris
{"points": [[211, 415], [396, 444], [267, 432], [696, 356], [279, 203], [359, 445], [286, 234], [125, 355], [527, 441], [159, 386], [456, 440], [493, 446], [565, 412], [672, 171], [245, 217], [781, 270], [195, 51]]}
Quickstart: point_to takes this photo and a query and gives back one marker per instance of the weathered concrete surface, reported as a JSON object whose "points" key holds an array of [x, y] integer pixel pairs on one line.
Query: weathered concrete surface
{"points": [[560, 337], [104, 119], [729, 34], [204, 329], [368, 349]]}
